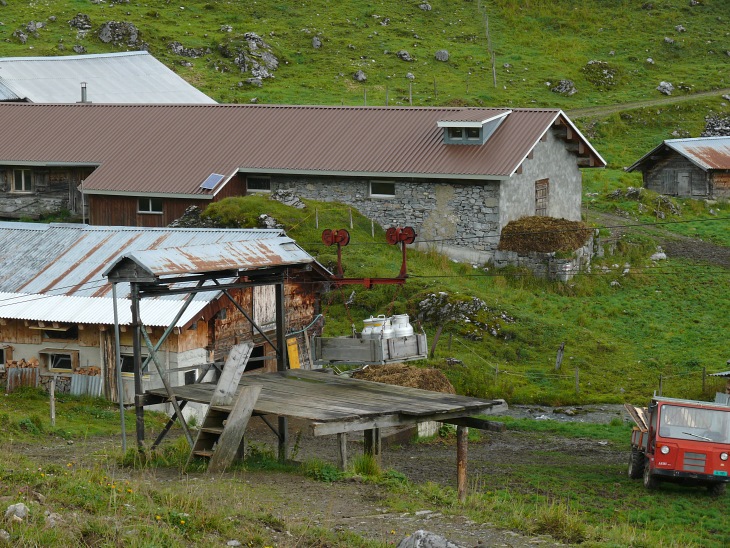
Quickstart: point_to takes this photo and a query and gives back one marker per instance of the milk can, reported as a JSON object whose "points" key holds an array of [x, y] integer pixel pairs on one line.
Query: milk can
{"points": [[401, 325]]}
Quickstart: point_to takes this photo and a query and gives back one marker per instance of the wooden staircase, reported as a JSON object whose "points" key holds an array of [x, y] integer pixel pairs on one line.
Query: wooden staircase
{"points": [[222, 429]]}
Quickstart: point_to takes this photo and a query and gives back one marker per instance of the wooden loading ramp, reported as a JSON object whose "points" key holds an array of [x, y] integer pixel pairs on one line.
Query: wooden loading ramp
{"points": [[339, 405]]}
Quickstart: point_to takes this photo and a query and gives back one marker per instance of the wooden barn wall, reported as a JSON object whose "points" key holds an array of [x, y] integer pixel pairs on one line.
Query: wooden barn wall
{"points": [[720, 182], [662, 177], [235, 187], [122, 211]]}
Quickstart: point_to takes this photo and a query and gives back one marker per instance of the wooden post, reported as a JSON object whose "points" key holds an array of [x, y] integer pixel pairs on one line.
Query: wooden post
{"points": [[704, 375], [661, 382], [410, 93], [349, 211], [577, 383], [372, 229], [462, 435], [439, 329], [316, 218], [52, 395], [373, 444], [559, 357], [342, 442]]}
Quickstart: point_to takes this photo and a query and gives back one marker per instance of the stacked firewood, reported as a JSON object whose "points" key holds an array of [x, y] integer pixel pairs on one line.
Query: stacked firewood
{"points": [[91, 371], [22, 364]]}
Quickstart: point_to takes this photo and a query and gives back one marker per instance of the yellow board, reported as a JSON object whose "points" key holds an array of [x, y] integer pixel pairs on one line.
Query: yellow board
{"points": [[292, 350]]}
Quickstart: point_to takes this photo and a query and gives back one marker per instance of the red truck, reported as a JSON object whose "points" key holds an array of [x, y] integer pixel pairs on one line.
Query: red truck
{"points": [[682, 441]]}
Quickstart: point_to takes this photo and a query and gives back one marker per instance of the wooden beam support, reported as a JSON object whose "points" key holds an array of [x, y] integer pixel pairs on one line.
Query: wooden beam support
{"points": [[342, 442], [373, 445], [462, 435]]}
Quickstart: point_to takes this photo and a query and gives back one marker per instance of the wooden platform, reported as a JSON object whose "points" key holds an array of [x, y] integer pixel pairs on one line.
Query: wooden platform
{"points": [[336, 404]]}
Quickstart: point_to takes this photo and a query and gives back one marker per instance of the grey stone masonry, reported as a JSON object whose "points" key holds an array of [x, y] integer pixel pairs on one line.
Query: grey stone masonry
{"points": [[547, 265], [459, 218]]}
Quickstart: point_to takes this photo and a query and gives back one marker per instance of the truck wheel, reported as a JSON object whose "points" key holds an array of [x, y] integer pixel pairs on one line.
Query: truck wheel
{"points": [[636, 463], [650, 481], [717, 489]]}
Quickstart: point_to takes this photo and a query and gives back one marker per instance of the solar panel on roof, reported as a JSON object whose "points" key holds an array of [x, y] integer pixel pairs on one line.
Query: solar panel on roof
{"points": [[212, 180]]}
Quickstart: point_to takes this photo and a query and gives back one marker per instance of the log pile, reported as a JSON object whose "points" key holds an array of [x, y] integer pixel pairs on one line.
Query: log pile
{"points": [[90, 371], [22, 364]]}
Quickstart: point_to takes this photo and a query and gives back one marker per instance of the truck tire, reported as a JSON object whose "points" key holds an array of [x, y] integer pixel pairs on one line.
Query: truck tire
{"points": [[717, 489], [636, 463], [650, 481]]}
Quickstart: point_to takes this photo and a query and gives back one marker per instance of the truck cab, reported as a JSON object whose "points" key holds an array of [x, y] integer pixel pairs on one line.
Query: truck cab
{"points": [[683, 441]]}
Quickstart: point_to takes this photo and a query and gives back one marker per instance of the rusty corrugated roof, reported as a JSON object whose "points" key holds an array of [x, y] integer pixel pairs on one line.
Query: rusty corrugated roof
{"points": [[56, 272], [172, 149], [707, 153]]}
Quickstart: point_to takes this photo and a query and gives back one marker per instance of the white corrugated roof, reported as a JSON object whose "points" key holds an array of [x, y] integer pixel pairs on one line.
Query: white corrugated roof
{"points": [[126, 77], [155, 312]]}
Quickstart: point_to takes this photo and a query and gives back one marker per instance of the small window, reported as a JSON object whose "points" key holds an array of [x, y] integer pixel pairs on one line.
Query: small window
{"points": [[128, 364], [149, 205], [69, 333], [258, 184], [456, 133], [473, 133], [6, 354], [60, 360], [382, 189], [22, 181]]}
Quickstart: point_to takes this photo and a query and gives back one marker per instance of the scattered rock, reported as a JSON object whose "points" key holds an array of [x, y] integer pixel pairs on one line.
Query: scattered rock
{"points": [[442, 55], [21, 36], [601, 74], [233, 543], [680, 28], [425, 6], [251, 53], [650, 60], [18, 510], [410, 76], [359, 76], [178, 49], [426, 539], [403, 55], [79, 49], [53, 519], [565, 87], [658, 256], [385, 21], [81, 22], [258, 82], [665, 87], [52, 18], [119, 33], [4, 535], [316, 42], [717, 125], [668, 40], [267, 221], [191, 219], [226, 28]]}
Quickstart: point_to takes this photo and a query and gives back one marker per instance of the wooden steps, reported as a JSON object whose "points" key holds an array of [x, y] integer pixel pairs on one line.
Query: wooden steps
{"points": [[228, 414]]}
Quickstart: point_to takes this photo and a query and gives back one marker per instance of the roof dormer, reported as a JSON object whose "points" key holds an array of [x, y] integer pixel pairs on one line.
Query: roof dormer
{"points": [[469, 127]]}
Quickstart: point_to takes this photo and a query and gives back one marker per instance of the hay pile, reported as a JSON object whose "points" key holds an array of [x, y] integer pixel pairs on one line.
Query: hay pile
{"points": [[401, 374], [544, 235]]}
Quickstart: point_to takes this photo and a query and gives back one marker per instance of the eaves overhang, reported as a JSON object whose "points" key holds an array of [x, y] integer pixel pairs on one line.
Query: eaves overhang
{"points": [[97, 192], [378, 174]]}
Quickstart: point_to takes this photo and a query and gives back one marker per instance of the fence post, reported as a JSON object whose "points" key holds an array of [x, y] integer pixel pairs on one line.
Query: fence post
{"points": [[577, 381], [704, 375], [410, 93], [316, 218], [660, 384], [372, 229], [52, 396], [349, 210]]}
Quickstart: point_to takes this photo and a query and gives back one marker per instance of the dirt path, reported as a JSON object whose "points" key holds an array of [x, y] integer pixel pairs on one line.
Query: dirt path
{"points": [[605, 110], [673, 244]]}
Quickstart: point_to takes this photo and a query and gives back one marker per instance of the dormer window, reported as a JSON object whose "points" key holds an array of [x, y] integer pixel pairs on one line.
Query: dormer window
{"points": [[468, 127]]}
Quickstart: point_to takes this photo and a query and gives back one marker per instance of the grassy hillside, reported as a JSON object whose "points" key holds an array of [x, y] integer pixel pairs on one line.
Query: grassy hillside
{"points": [[622, 331]]}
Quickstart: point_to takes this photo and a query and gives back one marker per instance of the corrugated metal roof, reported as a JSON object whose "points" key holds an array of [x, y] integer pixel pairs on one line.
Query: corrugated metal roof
{"points": [[126, 77], [155, 312], [705, 152], [56, 272], [166, 149]]}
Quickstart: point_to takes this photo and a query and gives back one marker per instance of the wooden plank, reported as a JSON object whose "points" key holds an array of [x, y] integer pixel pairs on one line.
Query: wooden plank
{"points": [[235, 426], [342, 443], [225, 390]]}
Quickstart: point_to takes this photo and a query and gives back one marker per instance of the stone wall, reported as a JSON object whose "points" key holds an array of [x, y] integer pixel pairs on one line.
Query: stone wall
{"points": [[459, 218], [547, 265]]}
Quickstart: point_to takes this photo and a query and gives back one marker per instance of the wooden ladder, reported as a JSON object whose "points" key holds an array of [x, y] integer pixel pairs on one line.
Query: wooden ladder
{"points": [[225, 422]]}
